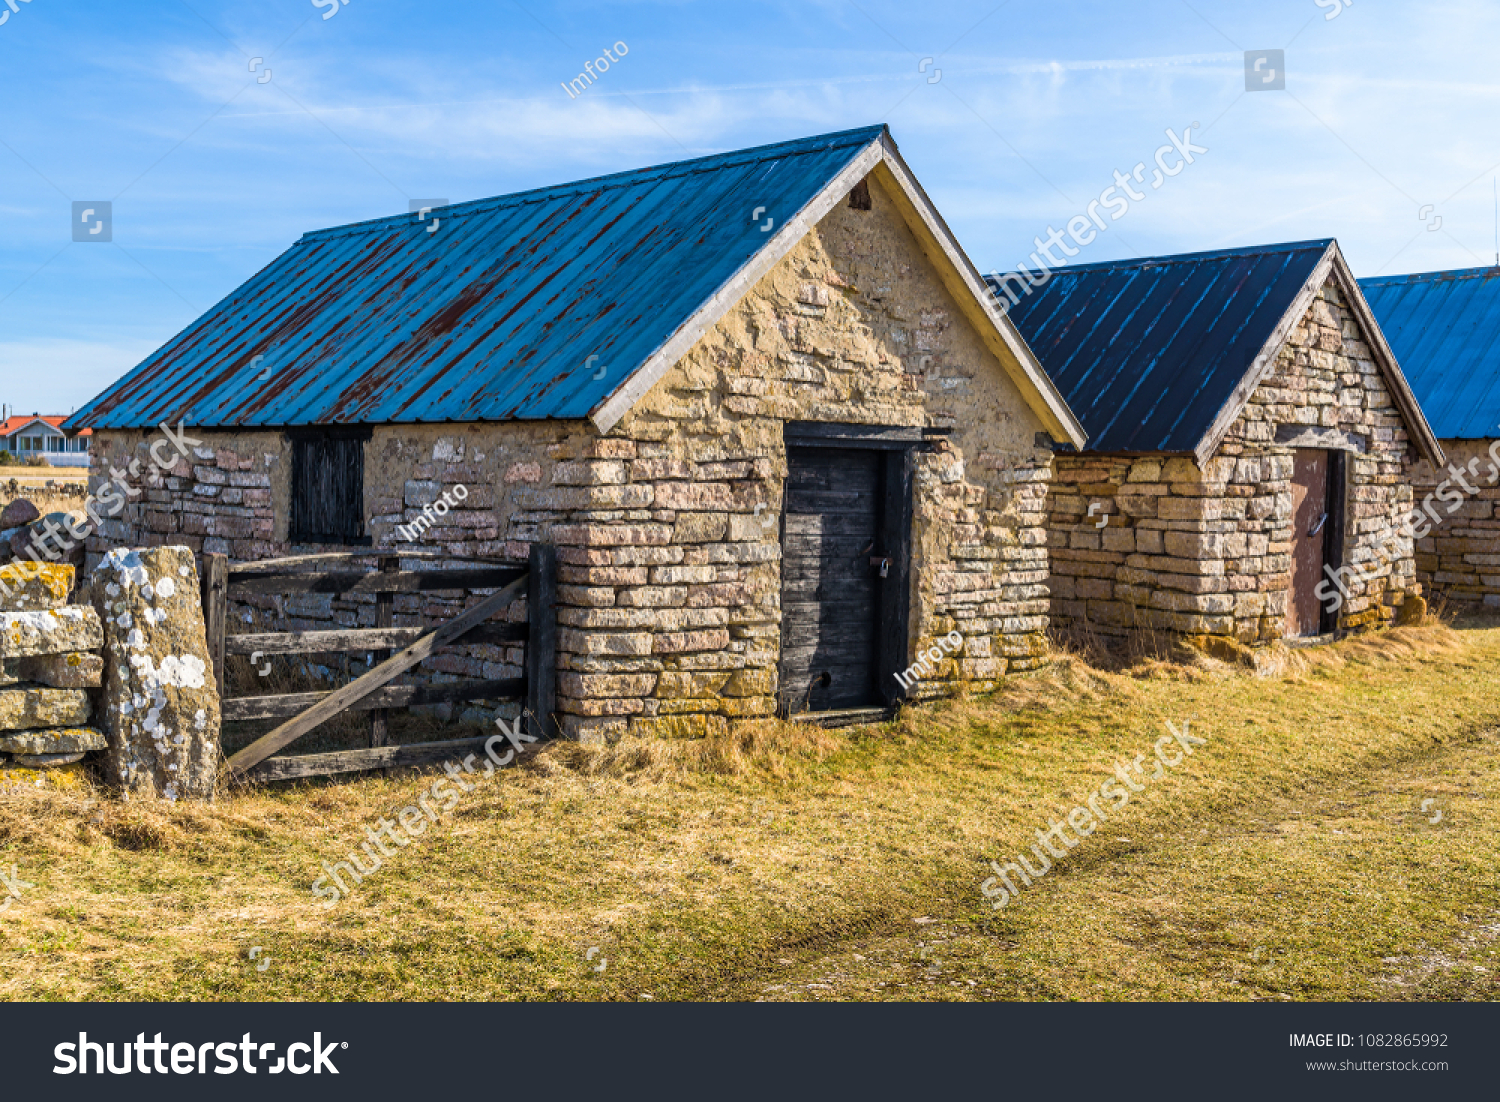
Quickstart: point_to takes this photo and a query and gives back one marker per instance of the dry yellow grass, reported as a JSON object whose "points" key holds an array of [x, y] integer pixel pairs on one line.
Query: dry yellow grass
{"points": [[31, 483], [791, 862]]}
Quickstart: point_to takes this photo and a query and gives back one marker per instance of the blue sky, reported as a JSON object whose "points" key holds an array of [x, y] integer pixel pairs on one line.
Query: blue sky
{"points": [[1389, 107]]}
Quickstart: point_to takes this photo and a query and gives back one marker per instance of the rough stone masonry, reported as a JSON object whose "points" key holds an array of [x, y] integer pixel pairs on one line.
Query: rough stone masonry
{"points": [[44, 674], [1208, 552], [669, 601]]}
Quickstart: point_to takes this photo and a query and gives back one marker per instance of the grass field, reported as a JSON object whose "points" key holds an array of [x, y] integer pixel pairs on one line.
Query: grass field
{"points": [[1333, 839], [32, 482]]}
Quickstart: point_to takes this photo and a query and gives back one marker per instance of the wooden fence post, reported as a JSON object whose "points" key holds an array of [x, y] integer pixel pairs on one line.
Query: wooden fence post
{"points": [[385, 607], [541, 641], [215, 582]]}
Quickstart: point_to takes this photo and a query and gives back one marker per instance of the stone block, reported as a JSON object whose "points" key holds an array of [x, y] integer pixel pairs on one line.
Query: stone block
{"points": [[700, 528], [52, 631], [677, 642], [31, 774], [746, 526], [652, 596], [58, 740], [1190, 508], [589, 472], [757, 682], [674, 685], [612, 535], [1148, 541], [608, 706], [161, 710], [602, 575], [523, 472], [609, 447], [1194, 545], [78, 670], [723, 595], [584, 685], [683, 575], [650, 619], [745, 706], [19, 513], [650, 470], [30, 707], [30, 586], [681, 727], [594, 730], [694, 496]]}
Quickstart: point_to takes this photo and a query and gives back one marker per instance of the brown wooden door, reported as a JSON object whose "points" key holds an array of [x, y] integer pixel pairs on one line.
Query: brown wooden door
{"points": [[1310, 520]]}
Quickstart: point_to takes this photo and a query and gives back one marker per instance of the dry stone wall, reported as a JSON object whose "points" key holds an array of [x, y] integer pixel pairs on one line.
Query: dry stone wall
{"points": [[669, 597], [1459, 557], [45, 672], [1208, 552]]}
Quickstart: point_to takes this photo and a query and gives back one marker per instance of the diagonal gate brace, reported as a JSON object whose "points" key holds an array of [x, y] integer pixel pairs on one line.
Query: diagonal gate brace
{"points": [[381, 675]]}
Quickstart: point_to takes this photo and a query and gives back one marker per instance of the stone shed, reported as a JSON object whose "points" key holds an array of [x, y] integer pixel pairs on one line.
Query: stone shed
{"points": [[1445, 329], [761, 402], [1251, 437]]}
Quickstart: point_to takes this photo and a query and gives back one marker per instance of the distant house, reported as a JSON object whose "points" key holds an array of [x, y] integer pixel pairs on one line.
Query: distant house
{"points": [[25, 437], [762, 402], [1445, 329], [1250, 436]]}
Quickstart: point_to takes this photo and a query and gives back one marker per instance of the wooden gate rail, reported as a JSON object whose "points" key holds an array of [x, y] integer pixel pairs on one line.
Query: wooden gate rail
{"points": [[372, 692], [316, 642]]}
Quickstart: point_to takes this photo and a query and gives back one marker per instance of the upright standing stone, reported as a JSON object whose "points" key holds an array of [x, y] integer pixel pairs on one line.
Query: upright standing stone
{"points": [[161, 711]]}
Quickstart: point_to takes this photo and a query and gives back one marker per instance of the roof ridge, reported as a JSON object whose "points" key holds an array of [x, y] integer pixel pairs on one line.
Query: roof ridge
{"points": [[1186, 258], [1488, 272], [790, 148]]}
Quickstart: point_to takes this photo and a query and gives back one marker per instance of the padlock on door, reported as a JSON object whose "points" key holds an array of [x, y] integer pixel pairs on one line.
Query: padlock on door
{"points": [[884, 564]]}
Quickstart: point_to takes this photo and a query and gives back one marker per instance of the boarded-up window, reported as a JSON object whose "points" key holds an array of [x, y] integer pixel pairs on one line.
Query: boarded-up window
{"points": [[328, 486]]}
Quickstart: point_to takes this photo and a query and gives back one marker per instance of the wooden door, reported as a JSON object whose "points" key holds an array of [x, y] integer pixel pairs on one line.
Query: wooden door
{"points": [[1310, 521], [830, 590]]}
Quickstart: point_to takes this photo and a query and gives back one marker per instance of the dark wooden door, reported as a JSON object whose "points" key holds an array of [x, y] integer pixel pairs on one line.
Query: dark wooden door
{"points": [[1310, 519], [830, 590]]}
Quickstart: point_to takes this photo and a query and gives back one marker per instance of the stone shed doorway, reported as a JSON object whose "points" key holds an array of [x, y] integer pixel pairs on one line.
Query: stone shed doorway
{"points": [[1317, 537], [845, 558]]}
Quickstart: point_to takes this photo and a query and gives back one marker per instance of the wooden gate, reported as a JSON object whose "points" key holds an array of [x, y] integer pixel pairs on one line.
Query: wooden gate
{"points": [[372, 692]]}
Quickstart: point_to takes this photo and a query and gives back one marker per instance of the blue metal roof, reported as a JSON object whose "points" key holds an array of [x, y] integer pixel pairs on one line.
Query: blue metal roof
{"points": [[1148, 352], [1444, 328], [525, 306]]}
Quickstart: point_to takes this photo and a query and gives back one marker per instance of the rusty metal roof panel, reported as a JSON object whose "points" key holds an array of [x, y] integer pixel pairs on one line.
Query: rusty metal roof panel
{"points": [[1444, 328], [1148, 352], [525, 306]]}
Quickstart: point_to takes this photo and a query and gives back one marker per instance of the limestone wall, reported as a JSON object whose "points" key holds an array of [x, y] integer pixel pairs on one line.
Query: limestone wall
{"points": [[47, 671], [670, 581], [1208, 552], [1459, 558]]}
